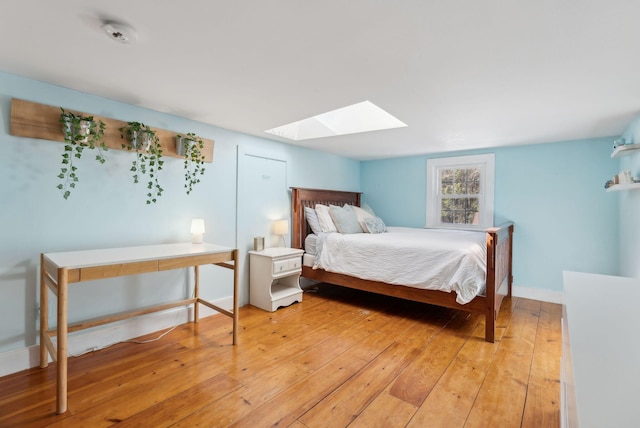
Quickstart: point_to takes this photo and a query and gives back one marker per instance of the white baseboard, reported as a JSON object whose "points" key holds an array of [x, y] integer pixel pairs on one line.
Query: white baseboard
{"points": [[540, 294], [101, 337]]}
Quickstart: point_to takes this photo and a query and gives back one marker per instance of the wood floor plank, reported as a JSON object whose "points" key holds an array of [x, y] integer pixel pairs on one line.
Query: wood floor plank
{"points": [[340, 357], [298, 399], [452, 398], [347, 401], [501, 398], [542, 407], [348, 330], [385, 411], [127, 400], [82, 376], [166, 412], [414, 384]]}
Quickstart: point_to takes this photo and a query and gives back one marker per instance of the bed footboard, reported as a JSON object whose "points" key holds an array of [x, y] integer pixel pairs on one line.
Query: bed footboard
{"points": [[499, 273]]}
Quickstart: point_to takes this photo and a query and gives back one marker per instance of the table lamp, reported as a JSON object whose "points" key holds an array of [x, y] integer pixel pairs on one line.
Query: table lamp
{"points": [[281, 227], [197, 230]]}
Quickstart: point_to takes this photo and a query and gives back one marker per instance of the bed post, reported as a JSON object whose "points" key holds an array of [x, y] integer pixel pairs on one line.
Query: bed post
{"points": [[490, 287], [511, 228], [297, 213], [499, 271]]}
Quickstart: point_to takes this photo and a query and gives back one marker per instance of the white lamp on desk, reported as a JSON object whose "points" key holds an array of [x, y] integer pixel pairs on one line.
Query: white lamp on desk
{"points": [[281, 227], [197, 230]]}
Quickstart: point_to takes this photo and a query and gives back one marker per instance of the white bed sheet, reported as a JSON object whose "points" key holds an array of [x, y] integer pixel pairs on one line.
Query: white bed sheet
{"points": [[434, 259]]}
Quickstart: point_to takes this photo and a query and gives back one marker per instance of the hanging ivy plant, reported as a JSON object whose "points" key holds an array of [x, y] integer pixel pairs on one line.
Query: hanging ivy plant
{"points": [[191, 147], [148, 160], [80, 132]]}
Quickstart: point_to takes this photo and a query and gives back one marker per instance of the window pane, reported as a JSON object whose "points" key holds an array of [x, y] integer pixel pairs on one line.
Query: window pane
{"points": [[473, 180], [460, 204], [474, 174], [474, 204], [447, 188], [459, 217], [459, 210], [446, 216], [474, 188]]}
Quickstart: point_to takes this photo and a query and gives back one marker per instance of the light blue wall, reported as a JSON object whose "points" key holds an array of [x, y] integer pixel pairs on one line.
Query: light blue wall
{"points": [[553, 192], [630, 209], [108, 210]]}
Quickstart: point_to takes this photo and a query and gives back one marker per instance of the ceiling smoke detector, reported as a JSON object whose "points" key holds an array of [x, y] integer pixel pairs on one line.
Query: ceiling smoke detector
{"points": [[120, 32]]}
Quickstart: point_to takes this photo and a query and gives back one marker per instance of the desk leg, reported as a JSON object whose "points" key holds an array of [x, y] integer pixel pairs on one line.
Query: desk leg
{"points": [[196, 293], [63, 277], [236, 272], [44, 315]]}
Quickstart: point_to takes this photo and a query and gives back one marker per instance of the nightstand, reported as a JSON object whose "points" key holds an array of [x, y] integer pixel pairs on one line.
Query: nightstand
{"points": [[274, 277]]}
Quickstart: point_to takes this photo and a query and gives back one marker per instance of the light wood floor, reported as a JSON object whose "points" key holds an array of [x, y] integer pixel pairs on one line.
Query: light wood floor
{"points": [[339, 358]]}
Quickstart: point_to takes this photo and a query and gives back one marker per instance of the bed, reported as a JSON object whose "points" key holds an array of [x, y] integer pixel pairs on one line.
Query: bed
{"points": [[498, 279]]}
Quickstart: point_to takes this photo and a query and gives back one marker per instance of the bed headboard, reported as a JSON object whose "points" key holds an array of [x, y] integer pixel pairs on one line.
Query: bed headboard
{"points": [[301, 198]]}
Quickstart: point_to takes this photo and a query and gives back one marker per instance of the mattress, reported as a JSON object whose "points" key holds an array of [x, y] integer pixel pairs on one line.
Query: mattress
{"points": [[308, 259], [310, 244], [434, 259]]}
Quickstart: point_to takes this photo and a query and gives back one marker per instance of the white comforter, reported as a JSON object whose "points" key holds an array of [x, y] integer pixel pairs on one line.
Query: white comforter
{"points": [[434, 259]]}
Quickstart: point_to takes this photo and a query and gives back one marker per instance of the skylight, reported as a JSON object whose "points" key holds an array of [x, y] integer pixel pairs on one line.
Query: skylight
{"points": [[361, 117]]}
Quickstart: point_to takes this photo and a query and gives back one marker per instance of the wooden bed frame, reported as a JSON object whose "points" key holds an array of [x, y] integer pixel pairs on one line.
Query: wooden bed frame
{"points": [[499, 262]]}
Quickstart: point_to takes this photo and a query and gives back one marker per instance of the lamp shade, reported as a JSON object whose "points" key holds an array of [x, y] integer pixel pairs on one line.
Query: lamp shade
{"points": [[197, 225], [281, 227]]}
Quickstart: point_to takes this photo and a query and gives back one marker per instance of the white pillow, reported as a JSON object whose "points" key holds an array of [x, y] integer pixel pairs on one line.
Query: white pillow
{"points": [[324, 217], [312, 220], [345, 219], [361, 216]]}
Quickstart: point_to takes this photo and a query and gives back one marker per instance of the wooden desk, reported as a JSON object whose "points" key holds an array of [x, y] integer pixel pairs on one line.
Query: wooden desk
{"points": [[58, 270]]}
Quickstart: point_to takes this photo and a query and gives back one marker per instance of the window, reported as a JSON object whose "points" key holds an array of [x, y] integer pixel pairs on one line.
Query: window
{"points": [[460, 192]]}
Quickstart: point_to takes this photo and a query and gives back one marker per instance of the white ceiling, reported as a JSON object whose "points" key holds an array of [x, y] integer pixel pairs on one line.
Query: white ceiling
{"points": [[461, 74]]}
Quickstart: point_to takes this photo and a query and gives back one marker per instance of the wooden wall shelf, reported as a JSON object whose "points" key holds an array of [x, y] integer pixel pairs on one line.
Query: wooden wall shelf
{"points": [[34, 120]]}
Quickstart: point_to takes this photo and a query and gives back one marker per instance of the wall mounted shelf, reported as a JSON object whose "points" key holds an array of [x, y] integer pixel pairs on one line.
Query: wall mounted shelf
{"points": [[34, 120], [624, 150], [627, 186]]}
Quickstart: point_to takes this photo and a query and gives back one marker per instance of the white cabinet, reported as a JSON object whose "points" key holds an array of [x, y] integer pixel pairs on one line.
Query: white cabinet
{"points": [[601, 350], [274, 276]]}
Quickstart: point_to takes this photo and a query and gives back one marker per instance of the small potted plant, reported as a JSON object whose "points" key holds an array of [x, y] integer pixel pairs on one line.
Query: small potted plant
{"points": [[148, 160], [79, 132], [191, 146]]}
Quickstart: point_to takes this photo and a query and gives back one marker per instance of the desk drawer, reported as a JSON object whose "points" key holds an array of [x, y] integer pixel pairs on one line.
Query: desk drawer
{"points": [[110, 271]]}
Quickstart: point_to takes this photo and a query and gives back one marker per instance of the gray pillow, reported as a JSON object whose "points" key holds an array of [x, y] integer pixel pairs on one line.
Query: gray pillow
{"points": [[345, 219], [312, 220]]}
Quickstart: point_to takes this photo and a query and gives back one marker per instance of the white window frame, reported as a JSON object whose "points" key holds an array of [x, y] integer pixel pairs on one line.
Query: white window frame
{"points": [[486, 163]]}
